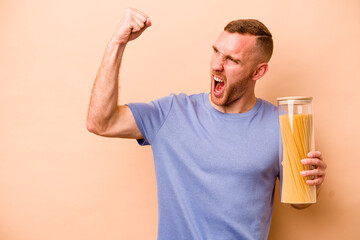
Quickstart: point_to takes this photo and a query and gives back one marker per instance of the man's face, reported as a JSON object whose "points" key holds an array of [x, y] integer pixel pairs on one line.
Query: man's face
{"points": [[232, 65]]}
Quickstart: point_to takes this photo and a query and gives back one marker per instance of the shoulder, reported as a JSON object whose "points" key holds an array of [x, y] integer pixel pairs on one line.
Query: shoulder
{"points": [[268, 107], [269, 112], [185, 99]]}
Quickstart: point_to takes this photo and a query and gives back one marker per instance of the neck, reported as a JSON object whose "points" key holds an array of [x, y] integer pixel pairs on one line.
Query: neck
{"points": [[242, 105]]}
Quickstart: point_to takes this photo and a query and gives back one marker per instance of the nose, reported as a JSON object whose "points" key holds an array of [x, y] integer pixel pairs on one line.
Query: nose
{"points": [[217, 62]]}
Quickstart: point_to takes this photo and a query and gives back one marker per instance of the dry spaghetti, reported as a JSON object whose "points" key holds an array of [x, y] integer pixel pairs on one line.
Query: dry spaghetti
{"points": [[296, 132]]}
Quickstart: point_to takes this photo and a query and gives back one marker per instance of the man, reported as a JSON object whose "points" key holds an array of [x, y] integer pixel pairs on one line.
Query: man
{"points": [[216, 155]]}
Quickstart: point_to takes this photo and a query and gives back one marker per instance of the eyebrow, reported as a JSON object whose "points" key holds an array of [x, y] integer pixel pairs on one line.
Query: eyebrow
{"points": [[227, 56]]}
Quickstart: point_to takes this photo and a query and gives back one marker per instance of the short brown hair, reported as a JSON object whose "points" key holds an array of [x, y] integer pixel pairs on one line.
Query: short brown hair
{"points": [[254, 27]]}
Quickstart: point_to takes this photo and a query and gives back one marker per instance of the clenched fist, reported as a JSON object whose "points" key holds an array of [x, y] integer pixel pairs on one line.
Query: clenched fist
{"points": [[132, 25]]}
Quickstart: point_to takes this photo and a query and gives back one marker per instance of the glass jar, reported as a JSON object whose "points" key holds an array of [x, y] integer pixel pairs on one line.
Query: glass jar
{"points": [[297, 140]]}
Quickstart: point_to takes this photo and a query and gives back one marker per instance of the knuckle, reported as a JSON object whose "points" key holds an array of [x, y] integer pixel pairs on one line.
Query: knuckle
{"points": [[128, 16]]}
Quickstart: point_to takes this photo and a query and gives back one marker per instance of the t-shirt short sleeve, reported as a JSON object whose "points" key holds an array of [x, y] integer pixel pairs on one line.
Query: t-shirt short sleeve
{"points": [[150, 117]]}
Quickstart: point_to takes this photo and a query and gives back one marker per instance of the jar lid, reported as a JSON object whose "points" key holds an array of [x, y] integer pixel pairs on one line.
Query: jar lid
{"points": [[294, 100]]}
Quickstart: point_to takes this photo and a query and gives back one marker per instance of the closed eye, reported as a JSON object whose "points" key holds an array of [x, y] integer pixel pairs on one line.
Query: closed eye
{"points": [[233, 60], [227, 57]]}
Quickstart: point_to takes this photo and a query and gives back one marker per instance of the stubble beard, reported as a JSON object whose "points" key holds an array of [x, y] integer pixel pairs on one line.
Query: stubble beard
{"points": [[231, 94]]}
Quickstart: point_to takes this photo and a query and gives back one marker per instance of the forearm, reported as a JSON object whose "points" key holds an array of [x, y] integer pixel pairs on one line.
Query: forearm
{"points": [[104, 96]]}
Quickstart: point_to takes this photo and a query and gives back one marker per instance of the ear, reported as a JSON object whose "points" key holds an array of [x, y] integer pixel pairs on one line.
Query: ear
{"points": [[260, 71]]}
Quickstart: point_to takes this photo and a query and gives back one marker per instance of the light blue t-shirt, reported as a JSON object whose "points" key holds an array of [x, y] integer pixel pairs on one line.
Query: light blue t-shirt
{"points": [[215, 172]]}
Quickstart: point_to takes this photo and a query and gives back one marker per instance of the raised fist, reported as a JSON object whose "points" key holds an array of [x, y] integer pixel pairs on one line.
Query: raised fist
{"points": [[132, 25]]}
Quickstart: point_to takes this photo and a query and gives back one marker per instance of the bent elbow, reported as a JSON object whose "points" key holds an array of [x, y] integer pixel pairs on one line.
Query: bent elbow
{"points": [[91, 127], [98, 129]]}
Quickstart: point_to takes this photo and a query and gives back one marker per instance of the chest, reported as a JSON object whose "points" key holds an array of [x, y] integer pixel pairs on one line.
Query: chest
{"points": [[248, 147]]}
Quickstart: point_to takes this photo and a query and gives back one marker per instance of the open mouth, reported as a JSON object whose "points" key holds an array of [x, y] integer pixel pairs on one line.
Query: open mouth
{"points": [[218, 85]]}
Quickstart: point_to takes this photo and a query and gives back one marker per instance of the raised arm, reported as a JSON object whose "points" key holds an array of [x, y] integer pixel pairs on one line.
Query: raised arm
{"points": [[105, 116]]}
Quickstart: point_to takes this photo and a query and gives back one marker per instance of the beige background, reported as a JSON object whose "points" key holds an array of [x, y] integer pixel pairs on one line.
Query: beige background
{"points": [[58, 181]]}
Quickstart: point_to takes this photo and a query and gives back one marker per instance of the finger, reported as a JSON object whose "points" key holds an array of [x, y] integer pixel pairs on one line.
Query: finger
{"points": [[137, 24], [142, 16], [314, 161], [132, 15], [315, 172], [148, 22], [315, 154], [317, 181]]}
